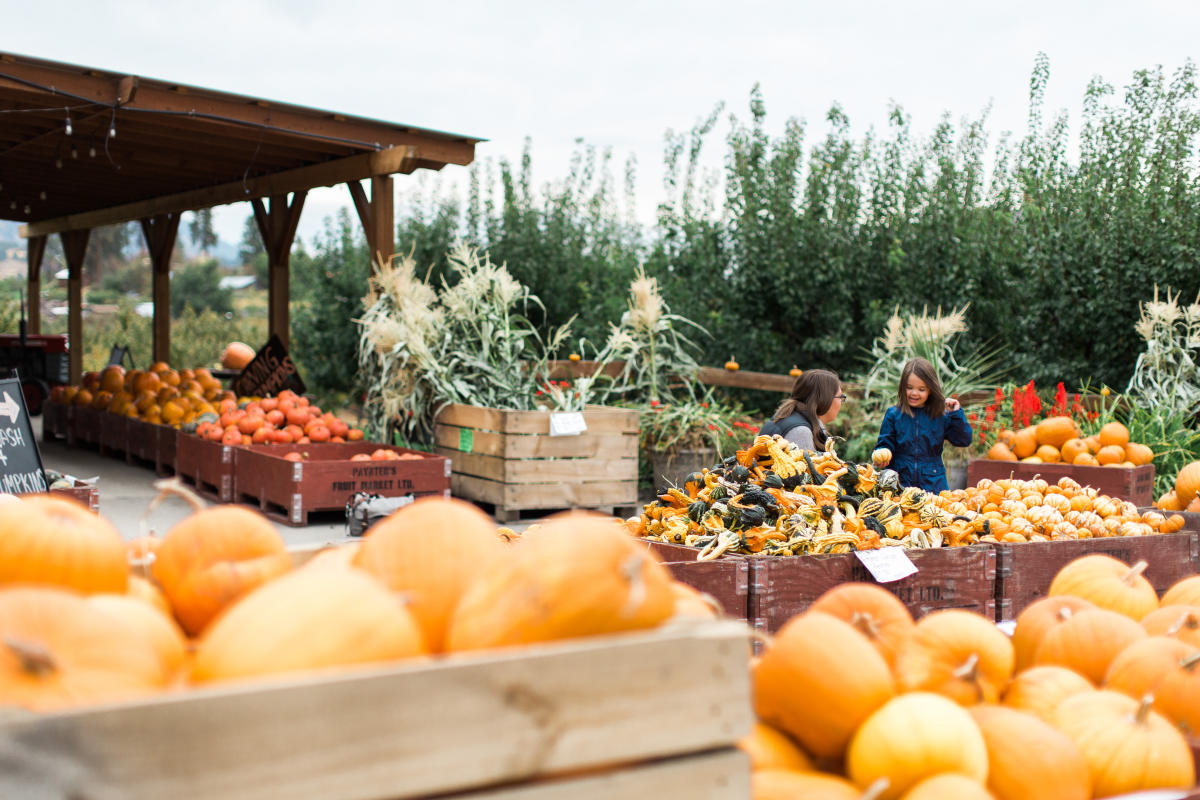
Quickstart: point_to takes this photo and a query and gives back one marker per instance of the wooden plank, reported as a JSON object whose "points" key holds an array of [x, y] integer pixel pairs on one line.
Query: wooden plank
{"points": [[1135, 484], [585, 445], [744, 379], [544, 495], [542, 470], [382, 235], [75, 248], [403, 731], [718, 775], [35, 250], [160, 232], [209, 465], [599, 419]]}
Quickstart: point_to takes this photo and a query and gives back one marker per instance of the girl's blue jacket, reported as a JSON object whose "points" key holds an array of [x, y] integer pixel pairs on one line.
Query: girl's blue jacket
{"points": [[916, 444]]}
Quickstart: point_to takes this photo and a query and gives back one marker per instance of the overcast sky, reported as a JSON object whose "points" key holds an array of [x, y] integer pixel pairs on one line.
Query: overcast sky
{"points": [[617, 74]]}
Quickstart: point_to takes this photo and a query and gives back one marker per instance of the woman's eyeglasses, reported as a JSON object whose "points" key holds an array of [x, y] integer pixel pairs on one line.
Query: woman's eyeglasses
{"points": [[841, 397]]}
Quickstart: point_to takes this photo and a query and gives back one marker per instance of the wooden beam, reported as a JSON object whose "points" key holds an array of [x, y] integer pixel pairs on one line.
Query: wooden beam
{"points": [[75, 248], [160, 233], [277, 226], [35, 251], [363, 206], [330, 173], [383, 220]]}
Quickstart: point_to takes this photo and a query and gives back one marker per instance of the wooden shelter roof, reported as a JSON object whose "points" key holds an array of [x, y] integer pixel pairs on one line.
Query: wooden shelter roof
{"points": [[163, 147]]}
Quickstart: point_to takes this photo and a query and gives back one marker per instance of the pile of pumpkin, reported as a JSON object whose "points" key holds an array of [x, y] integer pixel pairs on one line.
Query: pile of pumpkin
{"points": [[1058, 440], [1186, 494], [1090, 697], [159, 395], [286, 418], [87, 618]]}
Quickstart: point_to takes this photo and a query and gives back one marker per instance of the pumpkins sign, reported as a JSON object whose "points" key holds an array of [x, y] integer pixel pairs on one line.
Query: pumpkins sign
{"points": [[20, 461], [269, 372]]}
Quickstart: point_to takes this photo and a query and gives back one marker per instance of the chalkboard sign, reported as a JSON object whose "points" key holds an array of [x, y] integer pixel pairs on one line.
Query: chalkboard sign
{"points": [[270, 372], [20, 461]]}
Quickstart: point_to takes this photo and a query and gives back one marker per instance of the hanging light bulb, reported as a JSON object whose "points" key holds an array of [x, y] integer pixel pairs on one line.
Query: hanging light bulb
{"points": [[27, 209], [74, 152], [43, 194], [58, 162], [112, 130], [69, 128], [92, 151], [13, 205]]}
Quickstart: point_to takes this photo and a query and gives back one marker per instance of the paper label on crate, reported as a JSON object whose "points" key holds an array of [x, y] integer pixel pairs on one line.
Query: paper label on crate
{"points": [[466, 439], [567, 423], [887, 564]]}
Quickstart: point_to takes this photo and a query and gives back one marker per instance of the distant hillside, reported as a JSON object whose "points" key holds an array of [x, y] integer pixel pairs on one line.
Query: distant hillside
{"points": [[9, 232]]}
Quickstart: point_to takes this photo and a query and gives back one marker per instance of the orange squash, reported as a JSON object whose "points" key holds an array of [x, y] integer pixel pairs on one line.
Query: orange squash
{"points": [[1107, 583], [1025, 443], [874, 612], [1040, 690], [1000, 452], [783, 784], [1085, 460], [49, 540], [1073, 448], [1138, 454], [1028, 759], [771, 748], [1088, 642], [237, 355], [802, 686], [948, 786], [1180, 622], [311, 619], [577, 575], [1055, 431], [1114, 434], [1110, 454], [430, 551], [145, 591], [57, 651], [958, 654], [161, 631], [1165, 668], [213, 557], [1168, 502], [1185, 592], [1187, 483], [1039, 617]]}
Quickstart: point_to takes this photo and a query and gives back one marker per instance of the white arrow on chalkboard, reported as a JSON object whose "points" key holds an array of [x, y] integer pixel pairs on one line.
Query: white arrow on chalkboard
{"points": [[9, 408]]}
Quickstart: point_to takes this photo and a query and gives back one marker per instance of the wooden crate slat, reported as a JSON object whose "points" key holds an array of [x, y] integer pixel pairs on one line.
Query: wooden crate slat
{"points": [[491, 443], [142, 440], [407, 731], [599, 419], [717, 775], [1135, 484], [113, 432], [209, 465], [507, 470], [544, 495]]}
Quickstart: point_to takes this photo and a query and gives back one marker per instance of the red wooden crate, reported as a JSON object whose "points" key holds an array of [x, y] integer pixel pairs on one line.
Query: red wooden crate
{"points": [[206, 465], [1024, 571], [290, 490], [141, 441], [726, 580], [113, 433], [84, 426], [168, 449], [1135, 484], [54, 421], [86, 494]]}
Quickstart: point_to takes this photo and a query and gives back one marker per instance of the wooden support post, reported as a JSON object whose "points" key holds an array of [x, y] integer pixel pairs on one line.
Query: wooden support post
{"points": [[159, 232], [36, 251], [277, 225], [75, 248], [377, 217]]}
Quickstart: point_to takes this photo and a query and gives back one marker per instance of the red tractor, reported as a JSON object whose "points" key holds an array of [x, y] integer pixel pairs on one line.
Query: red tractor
{"points": [[40, 360]]}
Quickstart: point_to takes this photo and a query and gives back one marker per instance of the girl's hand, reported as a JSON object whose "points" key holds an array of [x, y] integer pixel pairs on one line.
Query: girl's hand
{"points": [[952, 404]]}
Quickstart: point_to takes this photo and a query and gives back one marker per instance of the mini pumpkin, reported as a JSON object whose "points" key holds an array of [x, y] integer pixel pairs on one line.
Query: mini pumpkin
{"points": [[1040, 690], [958, 654], [1107, 583], [1088, 642], [49, 540]]}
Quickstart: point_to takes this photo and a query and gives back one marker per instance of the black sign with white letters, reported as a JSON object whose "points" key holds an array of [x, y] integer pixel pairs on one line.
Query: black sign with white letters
{"points": [[271, 371], [20, 460]]}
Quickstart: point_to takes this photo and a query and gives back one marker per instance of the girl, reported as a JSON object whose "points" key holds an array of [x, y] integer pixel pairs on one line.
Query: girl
{"points": [[816, 399], [915, 428]]}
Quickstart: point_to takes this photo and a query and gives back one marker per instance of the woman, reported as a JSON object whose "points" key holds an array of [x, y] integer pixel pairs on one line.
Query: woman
{"points": [[915, 428], [815, 401]]}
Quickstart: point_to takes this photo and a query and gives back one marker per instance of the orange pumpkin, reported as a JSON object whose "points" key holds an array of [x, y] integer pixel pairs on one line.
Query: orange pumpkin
{"points": [[948, 786], [1176, 621], [958, 654], [1138, 454], [1039, 617], [49, 540], [1039, 690], [1185, 592], [272, 630], [770, 748], [430, 551], [873, 611], [1055, 431], [1110, 455], [161, 631], [1107, 583], [1049, 454], [1028, 759], [1088, 642], [237, 355], [1187, 483], [1166, 668], [58, 651], [1025, 443], [690, 602], [1114, 434], [1168, 502], [1127, 746], [1073, 448], [1000, 452], [783, 784], [145, 591], [215, 556], [577, 575], [1085, 460], [802, 686]]}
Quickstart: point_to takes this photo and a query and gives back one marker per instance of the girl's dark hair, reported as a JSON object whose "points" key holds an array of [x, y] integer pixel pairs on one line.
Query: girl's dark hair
{"points": [[935, 404], [812, 395]]}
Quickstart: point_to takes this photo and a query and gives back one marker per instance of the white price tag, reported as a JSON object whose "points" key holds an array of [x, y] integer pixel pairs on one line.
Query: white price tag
{"points": [[567, 423], [887, 564]]}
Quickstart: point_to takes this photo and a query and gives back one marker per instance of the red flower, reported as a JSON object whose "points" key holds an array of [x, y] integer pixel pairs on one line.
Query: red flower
{"points": [[654, 403], [973, 417], [999, 395], [712, 427]]}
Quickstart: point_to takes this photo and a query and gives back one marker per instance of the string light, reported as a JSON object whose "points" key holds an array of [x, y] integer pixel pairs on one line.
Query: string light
{"points": [[27, 209], [92, 151], [42, 195], [68, 121], [74, 152]]}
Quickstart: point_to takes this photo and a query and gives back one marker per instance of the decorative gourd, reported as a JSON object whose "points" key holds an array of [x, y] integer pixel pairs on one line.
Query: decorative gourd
{"points": [[795, 372], [1028, 759], [1088, 642], [1114, 434], [1025, 443], [782, 784], [1168, 668], [310, 619], [1185, 592], [770, 748], [430, 551], [1127, 746], [1039, 617], [57, 651], [159, 629], [1055, 431], [731, 365], [49, 540], [802, 685], [913, 737], [1176, 621], [1039, 690], [237, 355], [214, 556], [958, 654], [577, 575], [574, 357], [1187, 483], [948, 786], [873, 611], [1107, 583], [881, 457]]}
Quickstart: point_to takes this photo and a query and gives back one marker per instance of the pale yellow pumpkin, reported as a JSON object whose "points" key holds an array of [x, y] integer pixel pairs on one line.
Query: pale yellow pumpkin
{"points": [[1107, 583]]}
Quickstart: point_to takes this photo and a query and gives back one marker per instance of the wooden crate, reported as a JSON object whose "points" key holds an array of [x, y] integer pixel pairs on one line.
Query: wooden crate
{"points": [[1135, 484], [113, 434], [86, 494], [1191, 519], [726, 580], [628, 716], [84, 426], [54, 421], [289, 491], [208, 466], [1024, 571], [949, 577], [141, 445], [509, 459], [168, 449]]}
